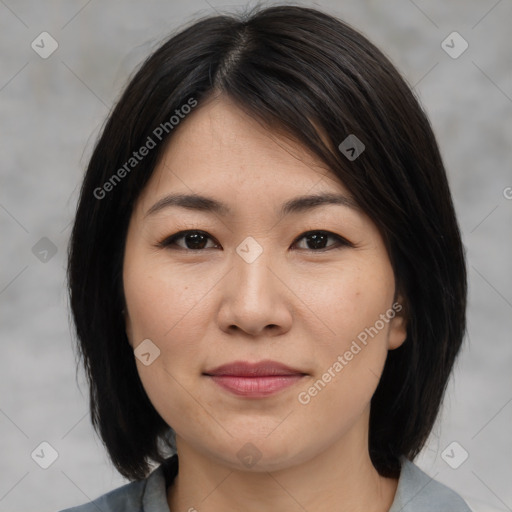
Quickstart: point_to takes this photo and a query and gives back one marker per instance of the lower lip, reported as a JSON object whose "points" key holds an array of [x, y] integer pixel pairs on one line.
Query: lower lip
{"points": [[255, 386]]}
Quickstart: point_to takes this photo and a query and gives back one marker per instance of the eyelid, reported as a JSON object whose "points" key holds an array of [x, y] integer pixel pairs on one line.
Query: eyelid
{"points": [[341, 241], [166, 242]]}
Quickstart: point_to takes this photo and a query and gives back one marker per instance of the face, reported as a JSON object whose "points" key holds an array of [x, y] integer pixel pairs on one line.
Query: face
{"points": [[310, 287]]}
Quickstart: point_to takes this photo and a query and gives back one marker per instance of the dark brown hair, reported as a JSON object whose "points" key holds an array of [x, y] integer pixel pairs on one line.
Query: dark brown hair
{"points": [[313, 77]]}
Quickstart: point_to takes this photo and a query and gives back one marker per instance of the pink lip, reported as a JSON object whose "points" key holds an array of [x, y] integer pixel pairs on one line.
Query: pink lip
{"points": [[254, 379]]}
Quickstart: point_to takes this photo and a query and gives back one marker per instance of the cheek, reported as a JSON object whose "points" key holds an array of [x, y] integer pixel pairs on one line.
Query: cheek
{"points": [[169, 308], [351, 302], [356, 308], [158, 299], [164, 309]]}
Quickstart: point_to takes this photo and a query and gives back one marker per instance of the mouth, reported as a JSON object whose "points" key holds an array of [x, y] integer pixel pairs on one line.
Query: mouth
{"points": [[256, 380]]}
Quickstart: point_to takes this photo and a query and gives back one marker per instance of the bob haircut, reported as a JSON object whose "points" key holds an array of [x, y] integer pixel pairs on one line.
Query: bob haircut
{"points": [[313, 78]]}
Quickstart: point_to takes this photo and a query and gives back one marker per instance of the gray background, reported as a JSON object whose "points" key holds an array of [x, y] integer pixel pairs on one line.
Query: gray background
{"points": [[51, 112]]}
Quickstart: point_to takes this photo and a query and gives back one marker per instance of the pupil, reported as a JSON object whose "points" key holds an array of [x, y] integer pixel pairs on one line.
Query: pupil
{"points": [[316, 239], [194, 238]]}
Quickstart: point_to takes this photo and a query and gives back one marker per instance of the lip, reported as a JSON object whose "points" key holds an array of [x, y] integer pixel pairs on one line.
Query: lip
{"points": [[265, 368], [255, 380]]}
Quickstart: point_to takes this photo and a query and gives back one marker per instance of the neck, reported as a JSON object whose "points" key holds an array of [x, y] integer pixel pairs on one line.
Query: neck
{"points": [[340, 478]]}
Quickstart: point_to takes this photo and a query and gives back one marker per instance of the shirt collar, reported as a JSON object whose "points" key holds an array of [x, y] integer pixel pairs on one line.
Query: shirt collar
{"points": [[154, 497]]}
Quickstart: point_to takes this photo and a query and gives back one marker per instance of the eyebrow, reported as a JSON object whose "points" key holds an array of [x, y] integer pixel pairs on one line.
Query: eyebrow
{"points": [[298, 204]]}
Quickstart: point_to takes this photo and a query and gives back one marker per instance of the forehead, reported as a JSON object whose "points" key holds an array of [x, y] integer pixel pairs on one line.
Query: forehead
{"points": [[220, 151]]}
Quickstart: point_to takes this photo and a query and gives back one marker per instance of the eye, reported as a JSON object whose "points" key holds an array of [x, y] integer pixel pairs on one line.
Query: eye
{"points": [[317, 239], [196, 240]]}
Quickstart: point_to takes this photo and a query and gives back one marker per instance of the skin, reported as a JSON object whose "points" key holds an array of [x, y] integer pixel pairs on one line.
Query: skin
{"points": [[295, 303]]}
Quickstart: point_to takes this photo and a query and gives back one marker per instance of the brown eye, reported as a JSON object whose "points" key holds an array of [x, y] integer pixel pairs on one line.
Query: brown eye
{"points": [[196, 240], [193, 240], [317, 240]]}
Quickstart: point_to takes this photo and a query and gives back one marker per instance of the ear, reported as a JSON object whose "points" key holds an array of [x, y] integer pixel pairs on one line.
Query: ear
{"points": [[398, 324]]}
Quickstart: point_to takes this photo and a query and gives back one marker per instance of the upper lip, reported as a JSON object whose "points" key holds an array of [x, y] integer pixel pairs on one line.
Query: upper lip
{"points": [[259, 369]]}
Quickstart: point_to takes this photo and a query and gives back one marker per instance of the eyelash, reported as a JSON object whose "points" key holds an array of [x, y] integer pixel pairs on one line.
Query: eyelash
{"points": [[169, 242]]}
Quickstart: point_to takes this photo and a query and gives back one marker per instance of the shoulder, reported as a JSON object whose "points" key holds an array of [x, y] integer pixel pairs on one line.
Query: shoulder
{"points": [[127, 498], [418, 492], [137, 496]]}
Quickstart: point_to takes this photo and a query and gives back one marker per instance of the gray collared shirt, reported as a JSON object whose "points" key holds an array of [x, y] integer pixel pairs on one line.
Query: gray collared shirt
{"points": [[416, 492]]}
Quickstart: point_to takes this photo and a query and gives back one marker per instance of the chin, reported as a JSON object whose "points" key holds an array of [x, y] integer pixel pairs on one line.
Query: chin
{"points": [[264, 454]]}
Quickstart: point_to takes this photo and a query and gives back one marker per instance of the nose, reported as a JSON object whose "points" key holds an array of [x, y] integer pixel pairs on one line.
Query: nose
{"points": [[255, 298]]}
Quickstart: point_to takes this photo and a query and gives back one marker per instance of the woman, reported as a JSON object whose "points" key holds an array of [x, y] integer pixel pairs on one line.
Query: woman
{"points": [[266, 275]]}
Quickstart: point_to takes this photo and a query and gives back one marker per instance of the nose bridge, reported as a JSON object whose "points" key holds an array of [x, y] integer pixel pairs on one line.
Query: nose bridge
{"points": [[254, 298], [251, 270]]}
